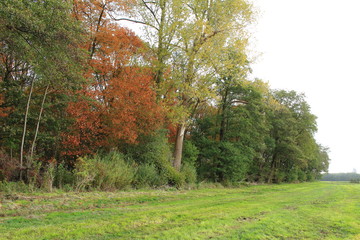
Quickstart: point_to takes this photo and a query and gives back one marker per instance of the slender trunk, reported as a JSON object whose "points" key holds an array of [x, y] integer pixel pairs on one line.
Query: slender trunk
{"points": [[93, 45], [160, 51], [24, 130], [179, 146], [222, 116], [270, 178], [272, 169], [38, 123]]}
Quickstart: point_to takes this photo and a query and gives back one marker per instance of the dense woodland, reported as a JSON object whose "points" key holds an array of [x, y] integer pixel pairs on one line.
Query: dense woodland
{"points": [[349, 177], [86, 103]]}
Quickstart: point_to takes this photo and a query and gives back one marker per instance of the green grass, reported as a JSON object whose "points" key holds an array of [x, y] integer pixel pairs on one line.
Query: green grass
{"points": [[321, 210]]}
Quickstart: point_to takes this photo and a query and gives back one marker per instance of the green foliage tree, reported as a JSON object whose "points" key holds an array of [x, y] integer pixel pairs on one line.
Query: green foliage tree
{"points": [[194, 66], [340, 176], [184, 36], [293, 128], [39, 57]]}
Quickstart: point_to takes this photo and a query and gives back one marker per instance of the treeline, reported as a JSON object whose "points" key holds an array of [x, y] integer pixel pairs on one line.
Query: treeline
{"points": [[340, 177], [86, 103]]}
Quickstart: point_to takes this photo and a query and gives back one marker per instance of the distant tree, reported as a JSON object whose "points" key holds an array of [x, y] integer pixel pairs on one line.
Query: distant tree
{"points": [[340, 176]]}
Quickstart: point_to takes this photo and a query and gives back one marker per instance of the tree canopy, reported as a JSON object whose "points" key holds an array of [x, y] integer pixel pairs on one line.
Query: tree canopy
{"points": [[82, 94]]}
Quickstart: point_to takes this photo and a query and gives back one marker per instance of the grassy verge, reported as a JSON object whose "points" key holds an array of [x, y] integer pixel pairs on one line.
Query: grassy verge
{"points": [[321, 210]]}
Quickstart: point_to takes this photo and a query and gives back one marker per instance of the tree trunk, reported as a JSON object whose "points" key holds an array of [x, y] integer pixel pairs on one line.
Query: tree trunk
{"points": [[38, 123], [24, 130], [222, 115], [93, 45], [271, 175], [160, 50], [272, 169], [179, 142]]}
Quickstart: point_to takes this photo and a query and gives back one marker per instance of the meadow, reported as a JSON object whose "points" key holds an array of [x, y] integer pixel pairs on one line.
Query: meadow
{"points": [[318, 210]]}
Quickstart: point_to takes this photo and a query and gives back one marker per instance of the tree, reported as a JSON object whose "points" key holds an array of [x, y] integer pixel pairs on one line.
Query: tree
{"points": [[120, 79], [39, 47], [231, 137], [185, 35], [293, 128], [86, 133]]}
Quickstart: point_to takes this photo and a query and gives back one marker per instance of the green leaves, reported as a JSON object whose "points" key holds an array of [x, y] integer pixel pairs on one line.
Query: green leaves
{"points": [[258, 134], [44, 35]]}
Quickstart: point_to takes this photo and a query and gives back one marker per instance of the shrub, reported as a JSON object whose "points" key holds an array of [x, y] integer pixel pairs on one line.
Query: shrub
{"points": [[151, 149], [85, 173], [173, 177], [355, 180], [33, 174], [189, 173], [11, 187], [113, 172], [49, 176], [280, 176], [302, 176], [147, 175], [155, 150], [292, 175], [63, 176], [190, 153], [310, 176], [9, 167], [109, 172]]}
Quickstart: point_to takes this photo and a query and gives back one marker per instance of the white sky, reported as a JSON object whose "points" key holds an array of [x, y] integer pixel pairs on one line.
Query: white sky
{"points": [[313, 46]]}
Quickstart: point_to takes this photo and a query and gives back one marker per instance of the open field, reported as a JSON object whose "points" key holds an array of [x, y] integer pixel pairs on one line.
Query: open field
{"points": [[321, 210]]}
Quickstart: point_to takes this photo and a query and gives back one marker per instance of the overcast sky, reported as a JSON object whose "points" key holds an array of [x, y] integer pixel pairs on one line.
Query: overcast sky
{"points": [[313, 46]]}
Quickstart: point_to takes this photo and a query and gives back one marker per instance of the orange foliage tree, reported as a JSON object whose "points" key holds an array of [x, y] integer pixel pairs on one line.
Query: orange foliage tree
{"points": [[86, 133], [120, 82]]}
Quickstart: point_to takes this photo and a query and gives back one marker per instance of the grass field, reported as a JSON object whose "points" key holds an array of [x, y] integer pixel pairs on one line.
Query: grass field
{"points": [[321, 210]]}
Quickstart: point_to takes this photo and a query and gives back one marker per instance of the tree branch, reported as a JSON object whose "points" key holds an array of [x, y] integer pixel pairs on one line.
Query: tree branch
{"points": [[151, 11], [134, 21], [239, 101]]}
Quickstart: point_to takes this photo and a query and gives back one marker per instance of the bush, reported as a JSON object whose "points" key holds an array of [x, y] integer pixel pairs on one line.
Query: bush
{"points": [[151, 149], [63, 177], [190, 153], [302, 176], [33, 174], [114, 172], [189, 173], [310, 177], [173, 177], [11, 187], [109, 172], [9, 167], [147, 175], [280, 177], [155, 150], [49, 176], [292, 175], [85, 173], [355, 180]]}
